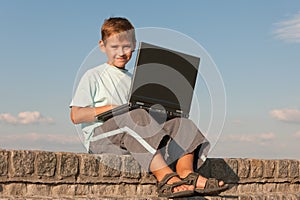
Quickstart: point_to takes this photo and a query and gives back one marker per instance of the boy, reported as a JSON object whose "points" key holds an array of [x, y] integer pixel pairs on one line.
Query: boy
{"points": [[155, 146]]}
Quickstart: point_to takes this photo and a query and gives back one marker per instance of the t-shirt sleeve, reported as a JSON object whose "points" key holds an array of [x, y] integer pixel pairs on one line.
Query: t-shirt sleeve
{"points": [[83, 94]]}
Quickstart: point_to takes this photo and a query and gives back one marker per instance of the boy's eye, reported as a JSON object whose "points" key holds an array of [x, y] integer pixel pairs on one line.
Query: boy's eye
{"points": [[126, 47]]}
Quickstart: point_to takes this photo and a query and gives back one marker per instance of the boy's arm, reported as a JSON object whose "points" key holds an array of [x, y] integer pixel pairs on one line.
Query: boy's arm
{"points": [[87, 114]]}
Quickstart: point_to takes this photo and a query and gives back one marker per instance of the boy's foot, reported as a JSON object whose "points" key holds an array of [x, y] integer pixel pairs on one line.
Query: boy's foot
{"points": [[183, 187], [201, 182], [203, 185], [172, 186]]}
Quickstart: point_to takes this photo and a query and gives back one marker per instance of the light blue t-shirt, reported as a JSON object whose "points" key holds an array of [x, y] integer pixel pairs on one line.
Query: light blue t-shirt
{"points": [[100, 86]]}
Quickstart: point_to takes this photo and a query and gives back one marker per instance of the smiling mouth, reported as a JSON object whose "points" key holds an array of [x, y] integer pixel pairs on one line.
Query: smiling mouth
{"points": [[121, 59]]}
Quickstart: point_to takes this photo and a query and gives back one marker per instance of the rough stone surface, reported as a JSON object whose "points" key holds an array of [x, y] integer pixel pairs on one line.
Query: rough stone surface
{"points": [[45, 164], [256, 167], [69, 165], [269, 168], [22, 163], [283, 168], [59, 175], [3, 163], [89, 166], [131, 168], [294, 169], [244, 168], [110, 166]]}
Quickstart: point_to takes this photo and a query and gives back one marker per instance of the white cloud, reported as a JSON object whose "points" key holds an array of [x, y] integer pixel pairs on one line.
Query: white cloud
{"points": [[25, 118], [289, 30], [287, 115], [261, 139]]}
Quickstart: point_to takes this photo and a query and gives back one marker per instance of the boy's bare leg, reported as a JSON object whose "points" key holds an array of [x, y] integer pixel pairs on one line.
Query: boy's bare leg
{"points": [[159, 168], [184, 167]]}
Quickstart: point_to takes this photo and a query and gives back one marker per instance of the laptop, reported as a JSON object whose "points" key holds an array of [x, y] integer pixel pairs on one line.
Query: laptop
{"points": [[163, 83]]}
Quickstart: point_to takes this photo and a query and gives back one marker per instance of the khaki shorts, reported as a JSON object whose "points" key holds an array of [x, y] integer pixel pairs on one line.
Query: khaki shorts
{"points": [[138, 133]]}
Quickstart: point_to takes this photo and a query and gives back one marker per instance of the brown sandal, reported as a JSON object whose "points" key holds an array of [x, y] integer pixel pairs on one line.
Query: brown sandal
{"points": [[211, 186], [167, 190]]}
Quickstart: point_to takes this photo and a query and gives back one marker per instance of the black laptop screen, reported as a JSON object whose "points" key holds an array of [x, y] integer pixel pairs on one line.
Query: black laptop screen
{"points": [[164, 77]]}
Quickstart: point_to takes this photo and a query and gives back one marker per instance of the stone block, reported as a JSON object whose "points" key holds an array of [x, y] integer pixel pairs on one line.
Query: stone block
{"points": [[146, 190], [283, 187], [294, 188], [254, 188], [15, 189], [270, 187], [46, 164], [244, 188], [256, 167], [37, 190], [294, 169], [130, 168], [110, 165], [89, 165], [243, 168], [81, 190], [63, 190], [100, 190], [126, 190], [232, 164], [269, 168], [147, 178], [4, 162], [257, 188], [289, 197], [283, 168], [22, 163], [68, 165]]}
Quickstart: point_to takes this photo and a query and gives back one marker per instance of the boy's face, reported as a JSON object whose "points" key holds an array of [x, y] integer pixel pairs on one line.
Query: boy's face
{"points": [[118, 49]]}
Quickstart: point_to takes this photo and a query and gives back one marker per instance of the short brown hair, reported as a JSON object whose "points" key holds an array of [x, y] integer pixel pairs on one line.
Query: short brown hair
{"points": [[115, 25]]}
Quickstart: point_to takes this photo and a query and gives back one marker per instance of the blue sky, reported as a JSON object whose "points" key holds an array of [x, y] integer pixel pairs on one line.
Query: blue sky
{"points": [[255, 45]]}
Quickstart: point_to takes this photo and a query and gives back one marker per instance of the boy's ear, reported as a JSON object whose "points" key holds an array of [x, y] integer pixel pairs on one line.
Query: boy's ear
{"points": [[102, 45]]}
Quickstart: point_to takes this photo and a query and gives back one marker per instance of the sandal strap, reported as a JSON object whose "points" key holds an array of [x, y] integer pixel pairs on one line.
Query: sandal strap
{"points": [[166, 178], [211, 183], [167, 190], [192, 178]]}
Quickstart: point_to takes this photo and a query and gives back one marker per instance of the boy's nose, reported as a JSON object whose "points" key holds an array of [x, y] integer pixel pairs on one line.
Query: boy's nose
{"points": [[120, 52]]}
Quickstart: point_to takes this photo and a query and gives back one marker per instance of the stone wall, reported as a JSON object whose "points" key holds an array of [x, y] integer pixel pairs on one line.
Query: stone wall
{"points": [[59, 175]]}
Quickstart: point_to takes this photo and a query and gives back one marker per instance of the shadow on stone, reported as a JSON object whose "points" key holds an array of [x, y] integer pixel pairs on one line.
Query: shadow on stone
{"points": [[221, 169], [1, 188]]}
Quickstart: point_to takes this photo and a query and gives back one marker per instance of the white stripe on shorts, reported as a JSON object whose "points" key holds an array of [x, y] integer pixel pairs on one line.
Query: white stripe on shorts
{"points": [[130, 132]]}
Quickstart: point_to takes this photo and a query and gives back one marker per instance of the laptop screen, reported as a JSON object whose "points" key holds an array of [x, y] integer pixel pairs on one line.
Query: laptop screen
{"points": [[163, 76]]}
